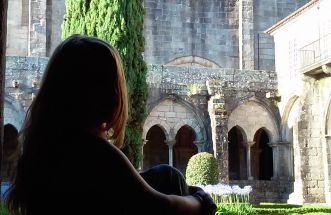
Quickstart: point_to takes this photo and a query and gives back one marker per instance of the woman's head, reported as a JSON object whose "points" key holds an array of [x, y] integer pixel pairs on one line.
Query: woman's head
{"points": [[83, 86]]}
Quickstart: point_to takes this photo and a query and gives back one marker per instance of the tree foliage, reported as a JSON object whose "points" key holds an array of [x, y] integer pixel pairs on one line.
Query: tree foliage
{"points": [[120, 22]]}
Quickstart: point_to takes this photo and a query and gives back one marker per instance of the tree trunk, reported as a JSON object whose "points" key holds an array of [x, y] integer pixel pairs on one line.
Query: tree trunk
{"points": [[3, 36]]}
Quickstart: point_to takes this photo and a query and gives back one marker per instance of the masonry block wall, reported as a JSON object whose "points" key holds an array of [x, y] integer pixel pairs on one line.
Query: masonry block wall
{"points": [[27, 72], [211, 30], [17, 27], [207, 29], [313, 139], [55, 14], [227, 32], [267, 13]]}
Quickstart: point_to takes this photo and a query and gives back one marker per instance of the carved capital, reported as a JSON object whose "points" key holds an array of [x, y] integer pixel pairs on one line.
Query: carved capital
{"points": [[170, 143], [248, 143]]}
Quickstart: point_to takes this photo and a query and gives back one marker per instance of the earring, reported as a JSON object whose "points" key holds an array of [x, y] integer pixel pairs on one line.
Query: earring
{"points": [[109, 133]]}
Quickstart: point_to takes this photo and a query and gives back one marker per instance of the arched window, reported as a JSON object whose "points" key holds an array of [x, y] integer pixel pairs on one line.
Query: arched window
{"points": [[155, 150], [261, 156], [237, 155], [184, 147]]}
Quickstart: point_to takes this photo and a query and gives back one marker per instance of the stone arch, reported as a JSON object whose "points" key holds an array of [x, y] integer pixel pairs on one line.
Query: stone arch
{"points": [[149, 124], [14, 112], [242, 132], [237, 159], [193, 123], [328, 120], [155, 144], [256, 116], [328, 145], [261, 155], [172, 112], [288, 117], [290, 154], [184, 147], [193, 61]]}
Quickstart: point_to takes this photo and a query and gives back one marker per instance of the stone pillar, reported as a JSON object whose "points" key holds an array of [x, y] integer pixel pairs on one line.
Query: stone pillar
{"points": [[248, 145], [327, 167], [275, 160], [296, 197], [170, 144], [246, 34], [199, 144], [37, 28], [141, 165], [282, 160], [219, 127]]}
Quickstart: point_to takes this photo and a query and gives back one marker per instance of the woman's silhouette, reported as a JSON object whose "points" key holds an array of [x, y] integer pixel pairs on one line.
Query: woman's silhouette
{"points": [[67, 165]]}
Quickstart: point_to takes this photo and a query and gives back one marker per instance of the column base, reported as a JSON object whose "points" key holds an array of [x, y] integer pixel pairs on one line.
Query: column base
{"points": [[295, 198]]}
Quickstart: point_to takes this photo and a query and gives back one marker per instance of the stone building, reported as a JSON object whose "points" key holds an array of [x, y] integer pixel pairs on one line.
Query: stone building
{"points": [[303, 59], [213, 87]]}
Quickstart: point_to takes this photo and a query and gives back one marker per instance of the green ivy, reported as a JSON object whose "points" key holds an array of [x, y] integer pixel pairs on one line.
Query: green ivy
{"points": [[120, 22]]}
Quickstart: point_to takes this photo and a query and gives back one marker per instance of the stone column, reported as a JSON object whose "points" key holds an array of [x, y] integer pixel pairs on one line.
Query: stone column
{"points": [[199, 144], [275, 160], [248, 145], [327, 177], [37, 28], [296, 197], [170, 144], [282, 160], [219, 127], [141, 165], [246, 34]]}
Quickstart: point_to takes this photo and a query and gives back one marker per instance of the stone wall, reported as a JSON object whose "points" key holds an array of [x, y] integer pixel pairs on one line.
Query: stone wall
{"points": [[208, 29], [55, 12], [304, 86], [27, 72], [267, 191], [267, 13], [227, 32], [17, 27], [312, 136]]}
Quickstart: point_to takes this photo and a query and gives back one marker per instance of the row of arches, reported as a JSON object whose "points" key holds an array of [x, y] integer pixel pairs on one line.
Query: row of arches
{"points": [[250, 152], [261, 161], [156, 150]]}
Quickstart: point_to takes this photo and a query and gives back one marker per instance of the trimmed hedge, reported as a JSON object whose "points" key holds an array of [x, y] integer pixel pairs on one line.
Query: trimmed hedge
{"points": [[202, 169]]}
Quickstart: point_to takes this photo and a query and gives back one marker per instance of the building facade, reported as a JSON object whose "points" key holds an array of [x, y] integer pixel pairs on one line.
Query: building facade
{"points": [[303, 59]]}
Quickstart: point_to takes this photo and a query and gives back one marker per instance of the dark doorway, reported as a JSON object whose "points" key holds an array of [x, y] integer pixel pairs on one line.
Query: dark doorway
{"points": [[184, 147], [237, 155], [261, 156], [155, 150]]}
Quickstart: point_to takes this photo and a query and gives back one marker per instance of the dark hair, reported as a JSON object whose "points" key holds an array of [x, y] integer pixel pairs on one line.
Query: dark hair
{"points": [[83, 86]]}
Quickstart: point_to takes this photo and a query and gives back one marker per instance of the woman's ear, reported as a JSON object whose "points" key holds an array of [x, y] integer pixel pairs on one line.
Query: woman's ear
{"points": [[102, 130], [106, 126]]}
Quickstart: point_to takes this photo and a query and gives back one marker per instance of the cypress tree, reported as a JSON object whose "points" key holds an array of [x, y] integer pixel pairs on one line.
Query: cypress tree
{"points": [[120, 22]]}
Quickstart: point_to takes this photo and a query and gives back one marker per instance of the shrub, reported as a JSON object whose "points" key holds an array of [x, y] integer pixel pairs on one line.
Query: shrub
{"points": [[202, 169]]}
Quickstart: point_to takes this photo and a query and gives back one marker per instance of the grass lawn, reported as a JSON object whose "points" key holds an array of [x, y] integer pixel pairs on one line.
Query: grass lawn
{"points": [[278, 209]]}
